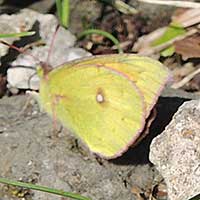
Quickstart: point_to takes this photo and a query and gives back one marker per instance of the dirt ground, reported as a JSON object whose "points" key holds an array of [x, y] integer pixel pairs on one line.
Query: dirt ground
{"points": [[31, 152]]}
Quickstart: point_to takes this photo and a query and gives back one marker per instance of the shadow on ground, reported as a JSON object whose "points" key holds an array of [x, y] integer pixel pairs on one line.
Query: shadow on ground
{"points": [[166, 107]]}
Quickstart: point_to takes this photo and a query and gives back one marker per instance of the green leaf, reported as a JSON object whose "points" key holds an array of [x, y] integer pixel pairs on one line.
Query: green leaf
{"points": [[22, 34], [168, 51], [63, 9], [173, 30]]}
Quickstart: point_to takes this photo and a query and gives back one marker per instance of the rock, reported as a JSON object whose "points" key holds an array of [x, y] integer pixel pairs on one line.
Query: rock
{"points": [[6, 28], [157, 15], [63, 48], [83, 13], [175, 152], [23, 78], [41, 6], [17, 23], [178, 93], [30, 151]]}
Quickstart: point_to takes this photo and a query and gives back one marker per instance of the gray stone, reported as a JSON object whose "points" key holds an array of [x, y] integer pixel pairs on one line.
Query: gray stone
{"points": [[63, 48], [176, 152], [82, 13], [20, 22], [31, 151], [6, 28]]}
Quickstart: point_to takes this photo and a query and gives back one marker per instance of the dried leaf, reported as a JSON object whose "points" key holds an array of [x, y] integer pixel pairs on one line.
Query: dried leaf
{"points": [[188, 18], [159, 40], [144, 42], [188, 47]]}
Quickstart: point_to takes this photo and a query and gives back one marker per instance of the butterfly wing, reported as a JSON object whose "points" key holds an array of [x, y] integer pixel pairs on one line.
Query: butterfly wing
{"points": [[101, 105], [149, 75]]}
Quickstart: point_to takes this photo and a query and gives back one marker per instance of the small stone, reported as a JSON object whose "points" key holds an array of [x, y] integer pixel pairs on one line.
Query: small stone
{"points": [[22, 74], [175, 152], [23, 78]]}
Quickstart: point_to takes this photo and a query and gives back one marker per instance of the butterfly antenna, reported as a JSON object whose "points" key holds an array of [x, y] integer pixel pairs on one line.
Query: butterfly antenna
{"points": [[52, 43], [19, 50]]}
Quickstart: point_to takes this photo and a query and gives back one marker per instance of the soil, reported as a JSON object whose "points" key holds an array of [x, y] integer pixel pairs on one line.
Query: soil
{"points": [[32, 152]]}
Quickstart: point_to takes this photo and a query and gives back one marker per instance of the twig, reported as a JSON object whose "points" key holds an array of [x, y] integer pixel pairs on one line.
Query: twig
{"points": [[183, 4], [186, 79], [19, 50], [159, 48], [121, 6], [124, 8], [189, 18], [122, 45]]}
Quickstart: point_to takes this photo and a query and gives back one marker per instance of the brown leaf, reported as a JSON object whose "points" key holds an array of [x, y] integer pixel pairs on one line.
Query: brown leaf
{"points": [[188, 17], [188, 47]]}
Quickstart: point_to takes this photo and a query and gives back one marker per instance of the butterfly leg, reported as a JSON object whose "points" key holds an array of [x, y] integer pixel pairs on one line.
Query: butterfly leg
{"points": [[56, 129]]}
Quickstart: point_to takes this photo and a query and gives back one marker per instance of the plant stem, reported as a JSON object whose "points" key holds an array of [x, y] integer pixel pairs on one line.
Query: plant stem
{"points": [[104, 33], [43, 189]]}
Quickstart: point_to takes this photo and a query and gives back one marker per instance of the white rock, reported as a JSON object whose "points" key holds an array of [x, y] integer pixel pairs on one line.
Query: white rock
{"points": [[63, 48], [23, 78], [176, 152]]}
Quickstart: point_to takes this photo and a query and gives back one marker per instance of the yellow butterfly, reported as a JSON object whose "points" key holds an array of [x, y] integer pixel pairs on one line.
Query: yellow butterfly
{"points": [[104, 100]]}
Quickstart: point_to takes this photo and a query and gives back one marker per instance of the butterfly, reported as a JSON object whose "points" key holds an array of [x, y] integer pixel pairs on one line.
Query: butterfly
{"points": [[105, 100]]}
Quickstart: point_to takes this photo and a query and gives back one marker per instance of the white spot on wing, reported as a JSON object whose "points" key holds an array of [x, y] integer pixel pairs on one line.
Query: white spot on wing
{"points": [[100, 98]]}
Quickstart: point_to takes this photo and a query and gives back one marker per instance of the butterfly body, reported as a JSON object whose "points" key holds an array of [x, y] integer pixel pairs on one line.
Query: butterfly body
{"points": [[104, 100]]}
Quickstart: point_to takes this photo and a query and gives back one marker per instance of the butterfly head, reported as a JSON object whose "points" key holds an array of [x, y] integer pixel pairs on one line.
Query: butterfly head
{"points": [[43, 69]]}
